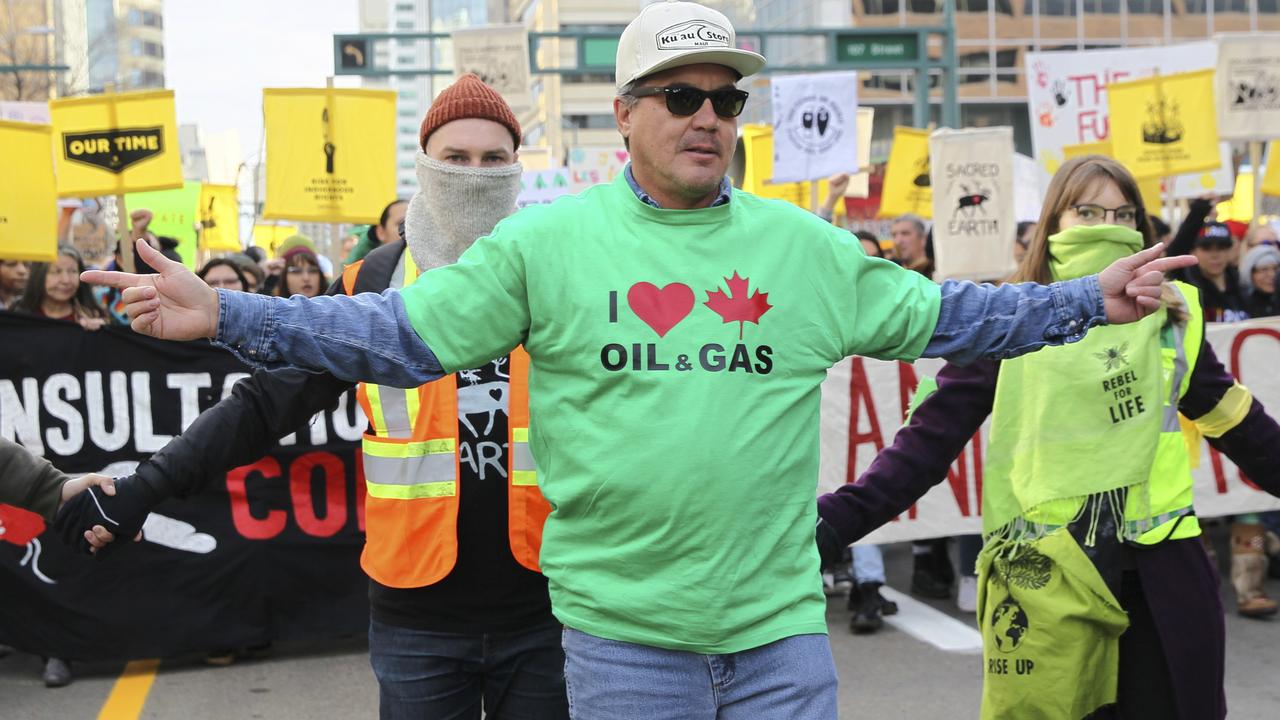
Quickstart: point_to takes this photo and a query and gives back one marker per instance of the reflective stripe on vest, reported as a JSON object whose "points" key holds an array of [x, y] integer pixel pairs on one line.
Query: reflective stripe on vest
{"points": [[412, 477]]}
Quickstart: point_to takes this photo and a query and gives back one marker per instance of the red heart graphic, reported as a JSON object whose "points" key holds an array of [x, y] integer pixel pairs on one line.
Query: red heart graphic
{"points": [[660, 309]]}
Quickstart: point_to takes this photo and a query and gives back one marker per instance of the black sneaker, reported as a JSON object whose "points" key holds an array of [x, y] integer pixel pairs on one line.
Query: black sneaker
{"points": [[929, 577], [57, 673]]}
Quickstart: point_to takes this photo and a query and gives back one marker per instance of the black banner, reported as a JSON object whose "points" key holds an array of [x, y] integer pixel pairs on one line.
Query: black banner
{"points": [[271, 552]]}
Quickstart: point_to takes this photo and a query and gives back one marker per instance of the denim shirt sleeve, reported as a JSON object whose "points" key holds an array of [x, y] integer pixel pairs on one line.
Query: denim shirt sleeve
{"points": [[976, 321], [361, 338]]}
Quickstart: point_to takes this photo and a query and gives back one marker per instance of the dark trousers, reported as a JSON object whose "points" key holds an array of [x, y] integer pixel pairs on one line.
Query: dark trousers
{"points": [[444, 676]]}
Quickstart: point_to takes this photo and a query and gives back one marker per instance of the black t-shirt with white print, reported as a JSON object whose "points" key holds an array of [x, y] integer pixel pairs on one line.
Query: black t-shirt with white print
{"points": [[487, 591]]}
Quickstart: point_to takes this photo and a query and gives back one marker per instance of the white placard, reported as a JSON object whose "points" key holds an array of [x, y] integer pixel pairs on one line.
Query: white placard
{"points": [[543, 186], [499, 54], [1067, 91], [1220, 182], [863, 403], [1248, 86], [1028, 188], [971, 172], [815, 121], [860, 182]]}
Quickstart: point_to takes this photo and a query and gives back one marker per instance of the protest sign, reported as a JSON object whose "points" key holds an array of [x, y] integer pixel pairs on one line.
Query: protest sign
{"points": [[543, 186], [757, 177], [264, 552], [499, 55], [219, 218], [117, 143], [814, 125], [175, 213], [1271, 181], [268, 237], [1247, 85], [864, 402], [1165, 125], [594, 165], [906, 178], [29, 198], [330, 153], [1219, 182], [1150, 188], [1067, 91], [973, 202]]}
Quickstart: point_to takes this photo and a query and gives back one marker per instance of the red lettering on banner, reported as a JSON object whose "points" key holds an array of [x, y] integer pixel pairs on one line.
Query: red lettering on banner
{"points": [[975, 447], [249, 526], [335, 494], [1219, 477], [1238, 343], [859, 398], [1092, 126]]}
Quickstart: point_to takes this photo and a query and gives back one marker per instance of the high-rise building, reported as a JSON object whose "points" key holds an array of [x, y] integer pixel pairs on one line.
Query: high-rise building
{"points": [[124, 44], [415, 93], [26, 30]]}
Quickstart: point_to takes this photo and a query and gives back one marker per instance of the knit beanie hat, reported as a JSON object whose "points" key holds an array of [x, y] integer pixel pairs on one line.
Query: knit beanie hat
{"points": [[295, 245], [468, 98]]}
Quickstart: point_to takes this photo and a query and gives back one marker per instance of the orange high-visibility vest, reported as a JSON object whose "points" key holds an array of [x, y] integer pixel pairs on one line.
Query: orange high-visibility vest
{"points": [[411, 471]]}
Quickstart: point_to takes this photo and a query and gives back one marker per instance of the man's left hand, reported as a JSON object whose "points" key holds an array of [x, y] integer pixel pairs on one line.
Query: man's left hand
{"points": [[1131, 285]]}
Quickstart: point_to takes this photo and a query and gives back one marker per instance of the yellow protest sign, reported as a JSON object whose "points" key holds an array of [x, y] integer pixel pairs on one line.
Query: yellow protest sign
{"points": [[1151, 188], [1271, 180], [28, 198], [113, 144], [907, 187], [269, 237], [1240, 206], [757, 177], [219, 218], [1165, 124], [330, 153]]}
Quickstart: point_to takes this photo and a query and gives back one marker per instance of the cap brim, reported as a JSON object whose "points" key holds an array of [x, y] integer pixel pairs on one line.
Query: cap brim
{"points": [[744, 62]]}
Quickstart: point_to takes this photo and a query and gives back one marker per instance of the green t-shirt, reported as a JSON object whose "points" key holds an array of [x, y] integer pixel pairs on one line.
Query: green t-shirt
{"points": [[674, 398]]}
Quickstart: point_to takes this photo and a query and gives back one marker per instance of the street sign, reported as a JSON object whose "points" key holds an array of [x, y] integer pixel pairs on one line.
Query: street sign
{"points": [[353, 54], [897, 47]]}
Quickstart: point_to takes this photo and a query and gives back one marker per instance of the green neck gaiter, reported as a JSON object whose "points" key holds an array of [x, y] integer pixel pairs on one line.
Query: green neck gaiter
{"points": [[1087, 249]]}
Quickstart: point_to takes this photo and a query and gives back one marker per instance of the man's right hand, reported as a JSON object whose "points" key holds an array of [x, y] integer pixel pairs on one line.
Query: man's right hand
{"points": [[172, 305]]}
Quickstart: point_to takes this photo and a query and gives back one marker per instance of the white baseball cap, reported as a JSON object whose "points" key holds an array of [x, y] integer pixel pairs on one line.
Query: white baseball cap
{"points": [[673, 34]]}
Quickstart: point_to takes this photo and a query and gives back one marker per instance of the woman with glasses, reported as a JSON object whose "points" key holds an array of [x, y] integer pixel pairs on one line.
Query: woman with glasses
{"points": [[54, 291], [1258, 280], [297, 271], [1096, 597], [223, 273]]}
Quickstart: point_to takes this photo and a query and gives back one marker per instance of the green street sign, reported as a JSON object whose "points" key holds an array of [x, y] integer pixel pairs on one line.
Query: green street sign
{"points": [[598, 52], [852, 48]]}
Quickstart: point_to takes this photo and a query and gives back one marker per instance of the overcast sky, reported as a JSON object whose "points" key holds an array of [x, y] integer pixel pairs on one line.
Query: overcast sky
{"points": [[220, 55]]}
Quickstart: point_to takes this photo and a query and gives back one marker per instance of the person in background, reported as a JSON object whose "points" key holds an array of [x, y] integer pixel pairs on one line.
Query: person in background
{"points": [[837, 184], [13, 281], [910, 237], [1022, 238], [252, 271], [387, 230], [54, 291], [224, 273], [295, 270], [1160, 229], [352, 238], [1258, 280], [870, 245], [1260, 235], [1216, 278]]}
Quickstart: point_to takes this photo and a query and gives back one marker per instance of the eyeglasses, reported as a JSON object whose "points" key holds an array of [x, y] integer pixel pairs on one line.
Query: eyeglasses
{"points": [[1096, 214], [301, 269], [683, 101]]}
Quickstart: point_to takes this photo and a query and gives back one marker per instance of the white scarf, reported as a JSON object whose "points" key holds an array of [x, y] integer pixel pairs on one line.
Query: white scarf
{"points": [[455, 206]]}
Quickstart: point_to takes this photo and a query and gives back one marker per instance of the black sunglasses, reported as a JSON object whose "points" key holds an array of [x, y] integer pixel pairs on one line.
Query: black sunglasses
{"points": [[684, 101]]}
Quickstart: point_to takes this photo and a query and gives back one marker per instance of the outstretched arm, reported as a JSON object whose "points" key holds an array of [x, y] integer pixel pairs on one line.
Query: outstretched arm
{"points": [[920, 455]]}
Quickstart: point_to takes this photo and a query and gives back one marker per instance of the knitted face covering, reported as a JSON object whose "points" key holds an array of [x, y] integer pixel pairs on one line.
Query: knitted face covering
{"points": [[1086, 249], [455, 206]]}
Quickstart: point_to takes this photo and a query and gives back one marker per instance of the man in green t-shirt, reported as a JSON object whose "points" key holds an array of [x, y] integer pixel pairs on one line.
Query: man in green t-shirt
{"points": [[679, 331]]}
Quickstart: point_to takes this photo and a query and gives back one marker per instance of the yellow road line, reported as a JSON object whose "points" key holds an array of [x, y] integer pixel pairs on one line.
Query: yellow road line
{"points": [[130, 692]]}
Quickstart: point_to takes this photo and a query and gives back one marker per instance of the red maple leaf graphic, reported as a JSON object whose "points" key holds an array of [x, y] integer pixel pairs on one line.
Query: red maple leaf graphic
{"points": [[737, 306]]}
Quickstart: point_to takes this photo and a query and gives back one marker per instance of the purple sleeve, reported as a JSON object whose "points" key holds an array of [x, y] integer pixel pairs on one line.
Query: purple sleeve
{"points": [[920, 454], [1254, 444]]}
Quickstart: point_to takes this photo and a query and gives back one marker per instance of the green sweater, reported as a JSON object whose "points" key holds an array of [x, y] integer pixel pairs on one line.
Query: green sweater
{"points": [[28, 481], [676, 364]]}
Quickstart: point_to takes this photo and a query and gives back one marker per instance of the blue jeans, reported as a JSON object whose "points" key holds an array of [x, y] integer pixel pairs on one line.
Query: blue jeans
{"points": [[611, 680], [868, 564], [443, 676]]}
